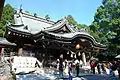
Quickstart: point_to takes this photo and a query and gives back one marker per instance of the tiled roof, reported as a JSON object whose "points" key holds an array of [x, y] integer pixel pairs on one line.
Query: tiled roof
{"points": [[3, 41], [28, 23], [33, 24]]}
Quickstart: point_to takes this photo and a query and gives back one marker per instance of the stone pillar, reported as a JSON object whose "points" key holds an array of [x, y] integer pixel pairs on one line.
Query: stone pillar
{"points": [[84, 58], [20, 49]]}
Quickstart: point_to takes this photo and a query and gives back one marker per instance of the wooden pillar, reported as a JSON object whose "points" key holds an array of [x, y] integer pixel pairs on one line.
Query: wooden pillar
{"points": [[1, 7], [84, 58], [0, 50], [20, 49], [1, 53]]}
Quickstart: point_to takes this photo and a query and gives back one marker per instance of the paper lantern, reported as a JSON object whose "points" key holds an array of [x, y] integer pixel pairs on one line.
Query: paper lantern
{"points": [[77, 46]]}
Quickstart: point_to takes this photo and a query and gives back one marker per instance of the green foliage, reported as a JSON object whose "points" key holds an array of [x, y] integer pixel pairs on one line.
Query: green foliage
{"points": [[71, 20], [47, 17], [27, 12], [81, 26], [7, 16], [107, 25]]}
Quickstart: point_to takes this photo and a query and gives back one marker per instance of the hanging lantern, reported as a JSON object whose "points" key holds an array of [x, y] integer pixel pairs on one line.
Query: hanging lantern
{"points": [[77, 46], [35, 41], [75, 56], [61, 56], [9, 32], [79, 54], [68, 52], [13, 33], [71, 56]]}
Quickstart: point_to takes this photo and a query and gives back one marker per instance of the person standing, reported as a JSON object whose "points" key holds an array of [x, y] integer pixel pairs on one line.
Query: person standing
{"points": [[98, 68], [81, 63], [61, 65], [119, 71], [58, 61], [118, 68], [92, 65], [70, 71], [103, 68], [77, 69]]}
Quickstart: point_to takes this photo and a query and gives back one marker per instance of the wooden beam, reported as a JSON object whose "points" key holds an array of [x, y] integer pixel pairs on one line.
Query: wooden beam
{"points": [[1, 7], [99, 48]]}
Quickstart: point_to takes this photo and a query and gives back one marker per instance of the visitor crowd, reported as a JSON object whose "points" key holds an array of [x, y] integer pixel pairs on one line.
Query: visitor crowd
{"points": [[111, 68]]}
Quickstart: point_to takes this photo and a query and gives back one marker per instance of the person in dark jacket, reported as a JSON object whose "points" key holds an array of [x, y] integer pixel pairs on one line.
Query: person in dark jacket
{"points": [[118, 68], [70, 71], [61, 66], [77, 69], [98, 68], [103, 68]]}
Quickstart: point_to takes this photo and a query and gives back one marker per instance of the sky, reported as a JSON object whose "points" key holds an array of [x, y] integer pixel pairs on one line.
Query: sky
{"points": [[82, 10]]}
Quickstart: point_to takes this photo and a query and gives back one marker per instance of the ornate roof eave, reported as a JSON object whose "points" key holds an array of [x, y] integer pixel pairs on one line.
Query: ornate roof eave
{"points": [[18, 31], [67, 38], [6, 43]]}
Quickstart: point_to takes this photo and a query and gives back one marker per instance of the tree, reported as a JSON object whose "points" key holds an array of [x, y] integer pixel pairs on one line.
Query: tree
{"points": [[7, 16], [47, 17], [82, 26], [27, 12], [71, 20], [107, 24]]}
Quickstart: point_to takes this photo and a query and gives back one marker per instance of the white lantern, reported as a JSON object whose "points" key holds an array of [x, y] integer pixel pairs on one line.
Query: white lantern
{"points": [[79, 54], [71, 56], [75, 56], [68, 52], [9, 32]]}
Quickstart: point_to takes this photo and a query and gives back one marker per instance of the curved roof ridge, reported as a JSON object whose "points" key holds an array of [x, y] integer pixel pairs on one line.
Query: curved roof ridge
{"points": [[34, 17], [59, 24], [38, 18], [56, 26]]}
